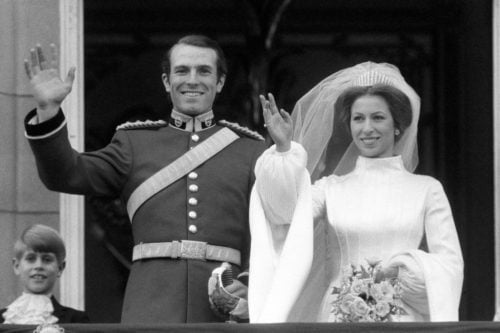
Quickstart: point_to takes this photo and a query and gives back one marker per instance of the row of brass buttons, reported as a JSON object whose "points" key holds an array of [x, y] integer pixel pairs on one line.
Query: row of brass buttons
{"points": [[193, 188]]}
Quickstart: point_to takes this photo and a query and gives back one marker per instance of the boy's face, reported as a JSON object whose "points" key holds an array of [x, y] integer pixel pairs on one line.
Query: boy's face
{"points": [[38, 271]]}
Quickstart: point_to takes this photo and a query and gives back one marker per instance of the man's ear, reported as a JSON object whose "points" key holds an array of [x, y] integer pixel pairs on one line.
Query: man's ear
{"points": [[15, 266], [166, 82], [62, 266], [220, 83]]}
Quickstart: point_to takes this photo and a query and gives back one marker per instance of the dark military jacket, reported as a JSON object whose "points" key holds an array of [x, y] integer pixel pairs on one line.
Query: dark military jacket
{"points": [[160, 290]]}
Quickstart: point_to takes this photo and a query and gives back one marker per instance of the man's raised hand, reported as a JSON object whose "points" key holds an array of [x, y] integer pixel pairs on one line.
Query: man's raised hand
{"points": [[49, 90]]}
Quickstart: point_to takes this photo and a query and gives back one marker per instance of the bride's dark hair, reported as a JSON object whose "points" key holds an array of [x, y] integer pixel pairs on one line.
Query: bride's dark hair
{"points": [[399, 104]]}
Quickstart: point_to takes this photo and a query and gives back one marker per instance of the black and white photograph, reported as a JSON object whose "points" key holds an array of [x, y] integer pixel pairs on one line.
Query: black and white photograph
{"points": [[249, 166]]}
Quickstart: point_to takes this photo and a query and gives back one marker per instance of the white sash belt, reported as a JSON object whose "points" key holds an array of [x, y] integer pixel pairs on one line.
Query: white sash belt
{"points": [[179, 168], [186, 249]]}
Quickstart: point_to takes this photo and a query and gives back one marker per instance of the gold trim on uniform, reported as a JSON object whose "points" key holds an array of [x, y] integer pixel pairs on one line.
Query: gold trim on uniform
{"points": [[241, 130], [192, 124], [141, 124]]}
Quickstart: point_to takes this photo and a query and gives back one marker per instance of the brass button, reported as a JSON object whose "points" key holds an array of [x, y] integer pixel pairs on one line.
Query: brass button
{"points": [[192, 214], [195, 137], [193, 229], [193, 175], [193, 188], [193, 201]]}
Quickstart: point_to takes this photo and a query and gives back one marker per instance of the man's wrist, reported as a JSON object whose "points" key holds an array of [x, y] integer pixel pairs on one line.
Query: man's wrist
{"points": [[46, 113], [36, 129]]}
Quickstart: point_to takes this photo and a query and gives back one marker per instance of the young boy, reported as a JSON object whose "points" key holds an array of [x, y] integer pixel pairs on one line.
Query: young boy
{"points": [[39, 261]]}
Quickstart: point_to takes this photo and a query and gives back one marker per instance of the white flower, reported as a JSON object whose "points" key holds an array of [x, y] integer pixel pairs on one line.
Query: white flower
{"points": [[359, 307], [360, 299], [382, 308], [373, 261], [387, 290], [359, 286], [377, 292], [345, 304]]}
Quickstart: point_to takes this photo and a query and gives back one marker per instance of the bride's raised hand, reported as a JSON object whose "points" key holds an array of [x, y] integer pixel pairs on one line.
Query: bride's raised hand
{"points": [[278, 123], [49, 90]]}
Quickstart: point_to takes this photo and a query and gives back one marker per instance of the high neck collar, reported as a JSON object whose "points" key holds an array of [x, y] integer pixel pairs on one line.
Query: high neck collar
{"points": [[379, 164], [192, 124]]}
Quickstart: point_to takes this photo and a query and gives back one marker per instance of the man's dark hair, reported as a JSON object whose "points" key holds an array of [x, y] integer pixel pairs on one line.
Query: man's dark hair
{"points": [[199, 41]]}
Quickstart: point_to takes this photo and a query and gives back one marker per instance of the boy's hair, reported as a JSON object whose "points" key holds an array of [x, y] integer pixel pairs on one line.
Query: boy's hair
{"points": [[40, 238]]}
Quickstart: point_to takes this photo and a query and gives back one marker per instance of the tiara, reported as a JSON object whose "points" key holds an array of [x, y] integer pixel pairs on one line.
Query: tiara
{"points": [[370, 78]]}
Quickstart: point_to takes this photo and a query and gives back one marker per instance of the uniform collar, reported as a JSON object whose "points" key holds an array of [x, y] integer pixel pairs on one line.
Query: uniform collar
{"points": [[192, 124]]}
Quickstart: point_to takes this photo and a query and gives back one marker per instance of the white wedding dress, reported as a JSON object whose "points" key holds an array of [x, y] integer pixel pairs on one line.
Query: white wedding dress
{"points": [[378, 210]]}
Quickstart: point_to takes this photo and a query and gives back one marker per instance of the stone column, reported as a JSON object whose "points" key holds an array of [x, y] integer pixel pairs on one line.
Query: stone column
{"points": [[23, 198]]}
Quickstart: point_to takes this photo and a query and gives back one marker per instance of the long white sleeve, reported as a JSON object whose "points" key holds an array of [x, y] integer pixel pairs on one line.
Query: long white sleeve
{"points": [[282, 234], [434, 279], [276, 181]]}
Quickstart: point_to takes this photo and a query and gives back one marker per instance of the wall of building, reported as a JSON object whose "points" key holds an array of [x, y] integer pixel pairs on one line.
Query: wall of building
{"points": [[23, 198]]}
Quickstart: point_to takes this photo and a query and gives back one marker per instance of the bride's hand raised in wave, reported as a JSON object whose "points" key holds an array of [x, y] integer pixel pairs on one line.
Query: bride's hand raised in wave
{"points": [[278, 123]]}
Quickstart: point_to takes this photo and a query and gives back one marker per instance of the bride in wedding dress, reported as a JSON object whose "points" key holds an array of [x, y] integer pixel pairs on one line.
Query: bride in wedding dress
{"points": [[306, 228]]}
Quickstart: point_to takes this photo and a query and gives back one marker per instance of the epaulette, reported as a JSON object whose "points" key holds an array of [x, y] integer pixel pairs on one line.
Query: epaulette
{"points": [[130, 125], [241, 129]]}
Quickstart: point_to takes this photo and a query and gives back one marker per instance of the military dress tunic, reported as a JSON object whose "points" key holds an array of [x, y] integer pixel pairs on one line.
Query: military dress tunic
{"points": [[209, 204]]}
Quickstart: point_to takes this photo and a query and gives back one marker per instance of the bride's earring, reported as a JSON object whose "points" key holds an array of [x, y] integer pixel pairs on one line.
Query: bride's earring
{"points": [[396, 132]]}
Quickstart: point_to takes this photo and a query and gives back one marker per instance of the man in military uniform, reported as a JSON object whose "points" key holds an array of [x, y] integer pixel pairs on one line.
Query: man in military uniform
{"points": [[186, 183]]}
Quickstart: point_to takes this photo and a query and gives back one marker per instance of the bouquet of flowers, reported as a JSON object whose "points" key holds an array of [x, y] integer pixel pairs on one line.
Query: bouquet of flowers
{"points": [[361, 298]]}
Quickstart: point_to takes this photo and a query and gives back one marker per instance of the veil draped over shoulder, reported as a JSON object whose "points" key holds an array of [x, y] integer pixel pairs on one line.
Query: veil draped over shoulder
{"points": [[316, 126]]}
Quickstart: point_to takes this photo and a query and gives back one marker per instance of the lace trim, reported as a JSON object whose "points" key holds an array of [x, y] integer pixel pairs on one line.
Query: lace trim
{"points": [[30, 309]]}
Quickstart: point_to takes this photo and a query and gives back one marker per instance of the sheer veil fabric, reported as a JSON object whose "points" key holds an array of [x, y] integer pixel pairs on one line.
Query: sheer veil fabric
{"points": [[316, 125]]}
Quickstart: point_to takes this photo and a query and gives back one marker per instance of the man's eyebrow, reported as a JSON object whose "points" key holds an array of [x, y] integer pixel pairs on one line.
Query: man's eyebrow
{"points": [[203, 66]]}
